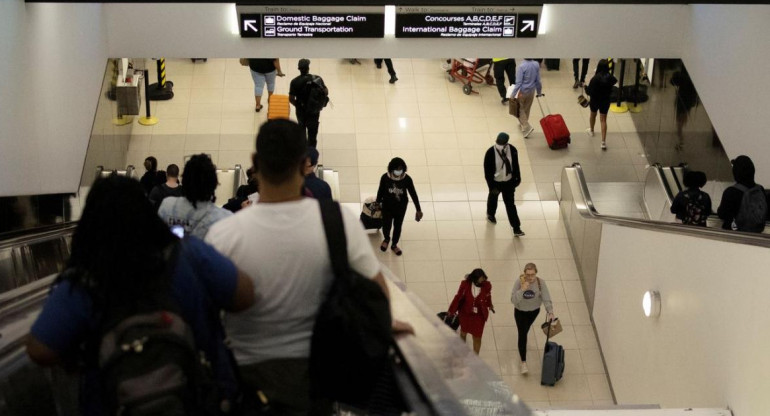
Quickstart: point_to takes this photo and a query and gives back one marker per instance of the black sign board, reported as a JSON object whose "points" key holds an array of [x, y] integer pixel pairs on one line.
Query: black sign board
{"points": [[311, 22], [473, 22], [250, 25]]}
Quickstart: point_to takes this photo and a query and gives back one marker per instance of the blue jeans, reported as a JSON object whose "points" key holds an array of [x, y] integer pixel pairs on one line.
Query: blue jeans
{"points": [[260, 80]]}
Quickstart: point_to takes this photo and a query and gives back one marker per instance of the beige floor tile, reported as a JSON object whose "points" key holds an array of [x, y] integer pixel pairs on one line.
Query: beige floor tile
{"points": [[456, 270], [459, 249], [600, 388], [448, 192], [400, 141], [429, 292], [579, 313], [501, 270], [556, 229], [201, 142], [533, 248], [586, 337], [571, 388], [592, 361], [437, 125], [171, 126], [561, 248], [455, 230], [167, 142], [372, 125], [412, 157], [423, 230], [423, 271], [379, 157], [451, 211], [568, 269], [491, 249], [573, 291], [238, 126], [443, 157], [421, 250], [205, 126], [528, 388]]}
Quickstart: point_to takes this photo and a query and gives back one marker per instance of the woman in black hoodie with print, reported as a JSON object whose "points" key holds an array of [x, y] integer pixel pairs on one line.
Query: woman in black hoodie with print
{"points": [[600, 89], [392, 197]]}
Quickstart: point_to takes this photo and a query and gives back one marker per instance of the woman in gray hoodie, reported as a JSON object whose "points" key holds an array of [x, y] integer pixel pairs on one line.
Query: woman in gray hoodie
{"points": [[529, 292]]}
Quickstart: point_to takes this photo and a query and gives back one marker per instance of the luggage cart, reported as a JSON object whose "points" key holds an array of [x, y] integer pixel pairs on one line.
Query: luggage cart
{"points": [[468, 70]]}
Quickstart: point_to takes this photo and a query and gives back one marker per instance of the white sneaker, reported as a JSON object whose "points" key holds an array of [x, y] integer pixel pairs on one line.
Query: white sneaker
{"points": [[590, 132], [528, 132], [524, 368], [604, 146]]}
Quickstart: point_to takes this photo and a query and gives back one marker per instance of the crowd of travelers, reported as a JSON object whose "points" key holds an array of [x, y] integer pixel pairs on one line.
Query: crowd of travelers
{"points": [[223, 320]]}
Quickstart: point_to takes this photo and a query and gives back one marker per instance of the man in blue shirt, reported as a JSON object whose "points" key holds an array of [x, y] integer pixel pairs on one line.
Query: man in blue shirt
{"points": [[314, 186], [528, 76]]}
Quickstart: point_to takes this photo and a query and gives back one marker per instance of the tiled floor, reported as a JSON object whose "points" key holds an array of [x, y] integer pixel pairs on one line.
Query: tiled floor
{"points": [[442, 134]]}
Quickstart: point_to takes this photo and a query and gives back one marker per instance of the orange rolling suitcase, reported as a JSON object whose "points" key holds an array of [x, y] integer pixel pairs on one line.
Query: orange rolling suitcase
{"points": [[278, 107]]}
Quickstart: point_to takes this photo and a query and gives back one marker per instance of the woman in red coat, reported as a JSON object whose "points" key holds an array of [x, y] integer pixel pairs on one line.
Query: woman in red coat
{"points": [[473, 302]]}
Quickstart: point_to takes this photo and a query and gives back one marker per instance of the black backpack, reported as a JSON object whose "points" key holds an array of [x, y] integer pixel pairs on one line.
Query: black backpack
{"points": [[317, 95], [352, 334], [149, 364], [695, 210], [753, 210]]}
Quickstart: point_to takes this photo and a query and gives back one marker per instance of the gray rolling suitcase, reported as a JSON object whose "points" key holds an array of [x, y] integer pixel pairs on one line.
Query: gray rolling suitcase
{"points": [[553, 362]]}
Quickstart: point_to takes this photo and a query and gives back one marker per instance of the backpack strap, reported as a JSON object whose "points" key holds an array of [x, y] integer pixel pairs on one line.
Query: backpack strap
{"points": [[336, 241], [740, 187]]}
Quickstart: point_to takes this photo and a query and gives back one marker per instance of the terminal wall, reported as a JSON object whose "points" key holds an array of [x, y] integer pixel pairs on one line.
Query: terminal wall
{"points": [[727, 54], [52, 59], [709, 346], [153, 30]]}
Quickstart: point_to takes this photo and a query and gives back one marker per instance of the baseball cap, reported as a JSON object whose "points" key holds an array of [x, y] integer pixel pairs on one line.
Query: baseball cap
{"points": [[502, 138]]}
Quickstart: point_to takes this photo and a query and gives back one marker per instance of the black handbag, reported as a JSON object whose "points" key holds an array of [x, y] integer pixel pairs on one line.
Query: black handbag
{"points": [[582, 100], [352, 333], [452, 321]]}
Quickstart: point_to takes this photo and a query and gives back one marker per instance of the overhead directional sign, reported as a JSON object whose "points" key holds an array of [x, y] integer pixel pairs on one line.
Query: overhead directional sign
{"points": [[250, 25], [311, 22], [467, 22]]}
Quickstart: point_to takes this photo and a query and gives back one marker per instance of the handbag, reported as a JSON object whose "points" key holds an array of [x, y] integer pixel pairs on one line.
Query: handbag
{"points": [[244, 61], [452, 321], [582, 100], [514, 108], [555, 327]]}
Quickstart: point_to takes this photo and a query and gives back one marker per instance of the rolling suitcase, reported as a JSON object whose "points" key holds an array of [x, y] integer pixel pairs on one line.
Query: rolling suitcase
{"points": [[554, 128], [553, 362], [278, 107]]}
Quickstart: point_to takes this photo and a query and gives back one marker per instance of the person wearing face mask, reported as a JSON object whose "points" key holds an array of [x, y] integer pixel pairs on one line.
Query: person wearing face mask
{"points": [[473, 302], [529, 292], [392, 197], [501, 170]]}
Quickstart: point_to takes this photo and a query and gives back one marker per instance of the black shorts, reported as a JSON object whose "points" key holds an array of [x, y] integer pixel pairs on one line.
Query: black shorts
{"points": [[599, 106]]}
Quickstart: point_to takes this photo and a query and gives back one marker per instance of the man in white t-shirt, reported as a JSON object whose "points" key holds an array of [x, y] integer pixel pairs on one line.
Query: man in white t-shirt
{"points": [[280, 243]]}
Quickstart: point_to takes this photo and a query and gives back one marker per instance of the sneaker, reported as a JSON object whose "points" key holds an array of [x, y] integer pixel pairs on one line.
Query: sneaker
{"points": [[518, 232], [393, 79], [604, 146], [528, 132], [491, 218], [396, 250], [524, 368], [590, 132], [504, 101], [576, 85]]}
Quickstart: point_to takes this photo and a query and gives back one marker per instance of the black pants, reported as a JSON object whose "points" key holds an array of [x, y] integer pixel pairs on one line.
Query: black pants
{"points": [[393, 215], [388, 64], [507, 189], [575, 67], [524, 320], [309, 122], [502, 68]]}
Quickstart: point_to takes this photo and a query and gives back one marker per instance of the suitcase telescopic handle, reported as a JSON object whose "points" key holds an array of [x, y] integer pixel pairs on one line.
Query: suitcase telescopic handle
{"points": [[541, 105]]}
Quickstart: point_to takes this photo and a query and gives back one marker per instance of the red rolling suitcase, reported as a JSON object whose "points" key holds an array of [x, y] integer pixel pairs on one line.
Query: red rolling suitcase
{"points": [[554, 128]]}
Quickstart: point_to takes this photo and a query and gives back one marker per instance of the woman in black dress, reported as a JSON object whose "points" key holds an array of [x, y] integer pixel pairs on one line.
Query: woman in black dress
{"points": [[392, 197]]}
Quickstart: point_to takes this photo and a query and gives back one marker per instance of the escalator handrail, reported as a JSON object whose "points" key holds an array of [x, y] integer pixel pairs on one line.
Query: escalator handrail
{"points": [[32, 235], [587, 210]]}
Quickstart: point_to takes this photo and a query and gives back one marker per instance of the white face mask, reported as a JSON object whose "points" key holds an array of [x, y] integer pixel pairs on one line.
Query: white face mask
{"points": [[500, 147], [398, 172]]}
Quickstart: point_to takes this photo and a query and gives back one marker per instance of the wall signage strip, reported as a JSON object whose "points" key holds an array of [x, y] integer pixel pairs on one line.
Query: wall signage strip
{"points": [[273, 22], [467, 22]]}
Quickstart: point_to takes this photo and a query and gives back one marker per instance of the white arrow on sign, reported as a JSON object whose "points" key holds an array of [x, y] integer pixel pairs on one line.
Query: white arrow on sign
{"points": [[249, 24], [528, 25]]}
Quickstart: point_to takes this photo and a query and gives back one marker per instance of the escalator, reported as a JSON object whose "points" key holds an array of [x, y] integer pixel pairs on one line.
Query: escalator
{"points": [[436, 373]]}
